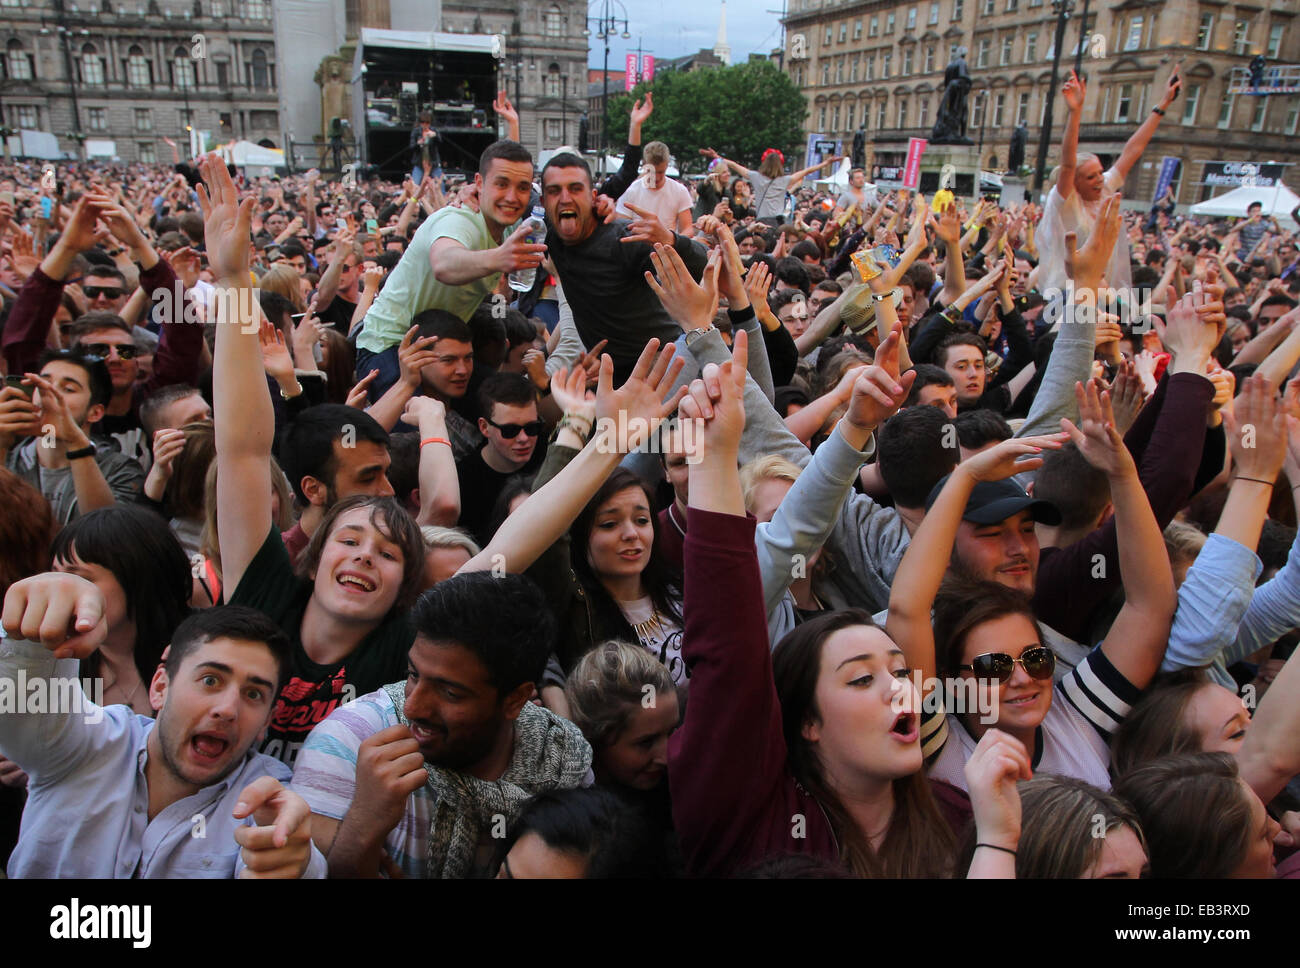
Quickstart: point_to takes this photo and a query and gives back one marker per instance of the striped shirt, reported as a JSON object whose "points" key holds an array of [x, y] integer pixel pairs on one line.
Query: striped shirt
{"points": [[325, 775], [1091, 701]]}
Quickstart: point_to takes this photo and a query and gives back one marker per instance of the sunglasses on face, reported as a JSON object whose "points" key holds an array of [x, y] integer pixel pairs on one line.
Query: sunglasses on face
{"points": [[533, 428], [103, 350], [108, 292], [1038, 662]]}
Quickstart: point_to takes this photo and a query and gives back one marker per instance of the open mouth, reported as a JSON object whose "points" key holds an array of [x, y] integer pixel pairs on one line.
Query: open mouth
{"points": [[208, 747], [1021, 700], [567, 216], [423, 734], [904, 728], [350, 580]]}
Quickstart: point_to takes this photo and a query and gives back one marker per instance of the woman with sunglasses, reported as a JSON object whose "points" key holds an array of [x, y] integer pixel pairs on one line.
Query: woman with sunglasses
{"points": [[985, 643]]}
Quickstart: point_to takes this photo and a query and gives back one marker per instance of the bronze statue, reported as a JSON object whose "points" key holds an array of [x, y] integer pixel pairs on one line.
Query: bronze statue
{"points": [[1018, 139], [950, 123]]}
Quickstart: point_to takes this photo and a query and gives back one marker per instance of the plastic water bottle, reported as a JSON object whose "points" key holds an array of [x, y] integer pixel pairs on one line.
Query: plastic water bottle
{"points": [[521, 280]]}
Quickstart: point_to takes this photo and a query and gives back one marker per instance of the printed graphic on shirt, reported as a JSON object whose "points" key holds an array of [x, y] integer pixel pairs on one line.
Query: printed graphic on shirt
{"points": [[301, 705]]}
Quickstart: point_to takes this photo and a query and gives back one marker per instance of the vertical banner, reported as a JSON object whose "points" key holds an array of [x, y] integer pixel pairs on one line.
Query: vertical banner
{"points": [[629, 76], [1168, 172], [647, 67], [912, 169]]}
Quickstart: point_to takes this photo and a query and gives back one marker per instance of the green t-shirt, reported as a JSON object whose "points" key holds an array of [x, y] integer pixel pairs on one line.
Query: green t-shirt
{"points": [[312, 691], [412, 287]]}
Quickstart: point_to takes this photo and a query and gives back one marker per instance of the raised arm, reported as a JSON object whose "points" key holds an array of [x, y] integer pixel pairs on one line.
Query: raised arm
{"points": [[506, 112], [1142, 136], [243, 416], [454, 264], [803, 173], [1073, 93], [738, 168]]}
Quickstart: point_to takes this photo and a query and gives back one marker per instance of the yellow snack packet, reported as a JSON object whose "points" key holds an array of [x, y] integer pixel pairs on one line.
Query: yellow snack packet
{"points": [[866, 265], [942, 199]]}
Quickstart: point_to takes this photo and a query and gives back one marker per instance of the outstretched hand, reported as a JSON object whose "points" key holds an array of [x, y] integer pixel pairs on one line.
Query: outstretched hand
{"points": [[1004, 460], [635, 408], [692, 304], [227, 233], [1095, 435]]}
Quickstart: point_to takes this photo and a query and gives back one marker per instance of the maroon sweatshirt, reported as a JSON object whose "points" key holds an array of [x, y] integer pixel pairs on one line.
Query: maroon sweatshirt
{"points": [[735, 801]]}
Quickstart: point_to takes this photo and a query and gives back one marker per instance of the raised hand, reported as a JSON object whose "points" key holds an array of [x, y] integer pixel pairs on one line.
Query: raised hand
{"points": [[78, 233], [167, 446], [1186, 335], [717, 401], [641, 110], [646, 227], [186, 263], [1127, 396], [999, 761], [505, 109], [390, 767], [276, 359], [226, 231], [1172, 87], [54, 411], [633, 409], [420, 409], [757, 280], [692, 304], [1004, 460], [878, 390], [280, 845], [1085, 266], [947, 227], [570, 393], [516, 252], [1073, 93], [1257, 431], [1095, 435], [360, 393], [413, 355], [534, 364], [19, 416]]}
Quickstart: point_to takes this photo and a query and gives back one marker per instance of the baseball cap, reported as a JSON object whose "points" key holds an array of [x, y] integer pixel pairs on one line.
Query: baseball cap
{"points": [[993, 501]]}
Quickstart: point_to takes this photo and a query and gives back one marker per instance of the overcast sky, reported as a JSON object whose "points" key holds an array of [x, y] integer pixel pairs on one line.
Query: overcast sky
{"points": [[670, 28]]}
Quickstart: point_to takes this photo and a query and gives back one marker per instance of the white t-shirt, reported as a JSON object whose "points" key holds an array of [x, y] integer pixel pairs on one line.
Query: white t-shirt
{"points": [[1075, 215], [665, 202], [659, 633]]}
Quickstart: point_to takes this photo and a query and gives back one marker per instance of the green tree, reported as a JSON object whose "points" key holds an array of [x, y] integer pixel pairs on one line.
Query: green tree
{"points": [[739, 111]]}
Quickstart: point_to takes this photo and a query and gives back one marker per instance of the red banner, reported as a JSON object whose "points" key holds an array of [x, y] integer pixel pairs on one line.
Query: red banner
{"points": [[647, 67], [912, 169], [629, 77]]}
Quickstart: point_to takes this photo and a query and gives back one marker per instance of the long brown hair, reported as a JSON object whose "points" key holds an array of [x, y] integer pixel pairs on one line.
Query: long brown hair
{"points": [[918, 842], [1059, 816], [1157, 725]]}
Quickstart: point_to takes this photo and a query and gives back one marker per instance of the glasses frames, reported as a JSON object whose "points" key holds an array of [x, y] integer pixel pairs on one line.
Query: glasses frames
{"points": [[1038, 663], [510, 431]]}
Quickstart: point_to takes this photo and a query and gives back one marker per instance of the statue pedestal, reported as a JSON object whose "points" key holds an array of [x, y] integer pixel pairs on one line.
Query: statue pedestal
{"points": [[962, 162], [1014, 190]]}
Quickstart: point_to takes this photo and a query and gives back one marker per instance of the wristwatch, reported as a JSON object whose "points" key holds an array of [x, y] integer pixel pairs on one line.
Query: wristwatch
{"points": [[87, 451], [882, 296], [292, 396], [1158, 111], [694, 334]]}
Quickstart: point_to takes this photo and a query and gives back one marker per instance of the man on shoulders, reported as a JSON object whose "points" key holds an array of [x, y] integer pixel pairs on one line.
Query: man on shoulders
{"points": [[667, 200]]}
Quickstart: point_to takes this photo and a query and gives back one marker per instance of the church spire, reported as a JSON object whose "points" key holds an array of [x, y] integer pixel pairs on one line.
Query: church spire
{"points": [[720, 49]]}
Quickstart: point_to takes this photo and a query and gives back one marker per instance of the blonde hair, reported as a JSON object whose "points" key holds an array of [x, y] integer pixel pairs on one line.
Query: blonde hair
{"points": [[769, 467], [283, 280], [436, 536], [608, 684], [209, 543], [654, 153], [1183, 541]]}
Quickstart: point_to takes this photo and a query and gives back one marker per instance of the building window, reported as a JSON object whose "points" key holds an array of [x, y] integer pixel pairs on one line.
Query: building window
{"points": [[259, 71], [182, 68], [1125, 103], [826, 73], [553, 22], [829, 35], [1225, 111], [857, 30], [1240, 36], [1031, 47], [874, 30], [146, 153], [957, 9], [553, 81], [1022, 108], [869, 68], [1261, 109], [1012, 5], [263, 120], [1205, 34], [139, 72], [889, 22], [143, 119], [982, 60], [999, 104], [911, 18], [1035, 3], [929, 59], [255, 10], [19, 62], [989, 7], [97, 119], [1007, 44], [907, 62], [1191, 102], [223, 75], [853, 69], [844, 32], [977, 110], [934, 14], [1275, 40], [835, 118], [187, 118], [554, 131], [881, 116], [902, 112], [92, 66], [884, 64], [1134, 39], [28, 116], [821, 119], [924, 119], [848, 116], [1105, 104], [218, 9], [1293, 117]]}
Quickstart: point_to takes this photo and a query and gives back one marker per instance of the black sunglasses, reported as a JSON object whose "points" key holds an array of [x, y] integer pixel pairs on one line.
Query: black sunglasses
{"points": [[533, 428], [108, 292], [101, 351], [1038, 662]]}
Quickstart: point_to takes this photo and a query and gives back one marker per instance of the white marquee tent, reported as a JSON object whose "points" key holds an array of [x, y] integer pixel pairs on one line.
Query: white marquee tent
{"points": [[1279, 201]]}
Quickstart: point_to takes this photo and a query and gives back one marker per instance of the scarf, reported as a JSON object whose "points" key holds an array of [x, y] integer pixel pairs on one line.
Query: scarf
{"points": [[550, 753]]}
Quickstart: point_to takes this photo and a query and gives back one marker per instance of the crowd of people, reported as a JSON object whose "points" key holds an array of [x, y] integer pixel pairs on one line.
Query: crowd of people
{"points": [[737, 528]]}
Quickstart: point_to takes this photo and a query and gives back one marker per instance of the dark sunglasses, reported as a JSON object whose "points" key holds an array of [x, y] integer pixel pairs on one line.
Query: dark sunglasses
{"points": [[533, 428], [108, 292], [1038, 662], [101, 351]]}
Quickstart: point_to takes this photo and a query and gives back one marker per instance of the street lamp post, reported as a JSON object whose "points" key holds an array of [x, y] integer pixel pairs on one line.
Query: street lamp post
{"points": [[1063, 8], [606, 24], [564, 109], [1083, 37]]}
